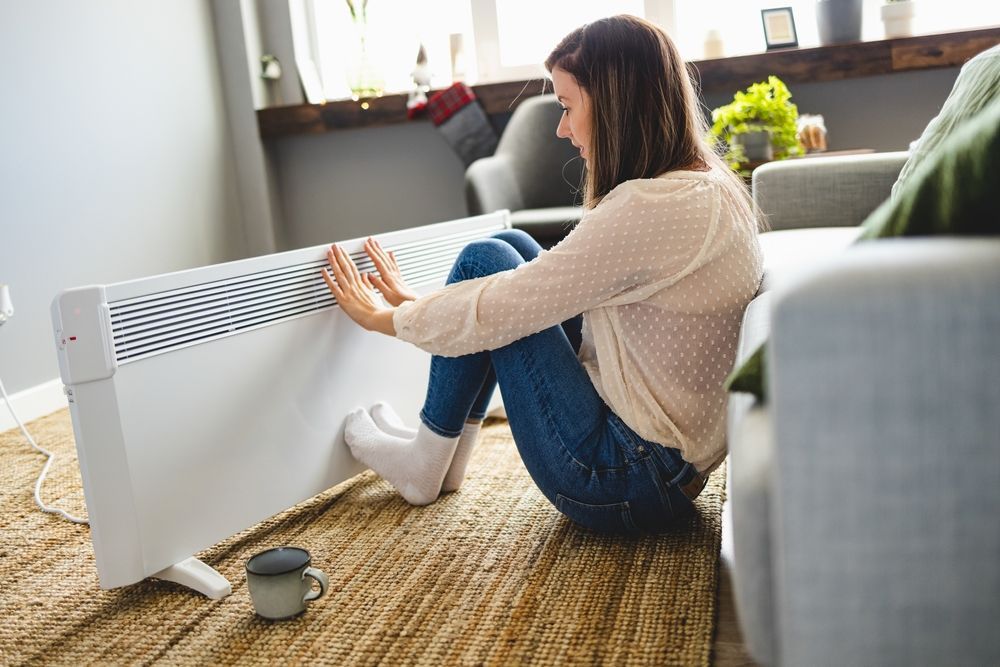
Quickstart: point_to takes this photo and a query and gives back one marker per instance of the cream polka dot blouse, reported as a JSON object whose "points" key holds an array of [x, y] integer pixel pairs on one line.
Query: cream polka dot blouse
{"points": [[662, 270]]}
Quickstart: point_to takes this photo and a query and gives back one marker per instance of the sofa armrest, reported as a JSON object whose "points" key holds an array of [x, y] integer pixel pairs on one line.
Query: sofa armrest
{"points": [[490, 186], [748, 487], [884, 368], [836, 191]]}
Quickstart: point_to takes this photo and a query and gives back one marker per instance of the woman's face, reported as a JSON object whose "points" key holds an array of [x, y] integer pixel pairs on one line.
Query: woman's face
{"points": [[575, 123]]}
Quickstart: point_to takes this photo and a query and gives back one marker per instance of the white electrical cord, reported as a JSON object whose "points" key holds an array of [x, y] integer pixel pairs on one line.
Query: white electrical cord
{"points": [[45, 470]]}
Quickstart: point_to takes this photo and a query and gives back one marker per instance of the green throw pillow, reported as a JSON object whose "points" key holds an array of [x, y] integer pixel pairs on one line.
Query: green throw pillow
{"points": [[955, 191]]}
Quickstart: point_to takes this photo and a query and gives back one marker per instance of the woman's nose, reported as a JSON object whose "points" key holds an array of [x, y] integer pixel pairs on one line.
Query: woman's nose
{"points": [[562, 129]]}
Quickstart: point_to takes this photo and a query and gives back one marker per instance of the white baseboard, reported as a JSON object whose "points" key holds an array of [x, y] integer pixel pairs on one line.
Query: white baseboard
{"points": [[33, 403]]}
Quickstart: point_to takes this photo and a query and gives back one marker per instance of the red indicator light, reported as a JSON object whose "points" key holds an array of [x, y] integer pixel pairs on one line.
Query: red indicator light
{"points": [[72, 337]]}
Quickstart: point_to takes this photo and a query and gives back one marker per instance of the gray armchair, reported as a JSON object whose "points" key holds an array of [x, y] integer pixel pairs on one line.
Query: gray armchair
{"points": [[865, 493], [533, 173]]}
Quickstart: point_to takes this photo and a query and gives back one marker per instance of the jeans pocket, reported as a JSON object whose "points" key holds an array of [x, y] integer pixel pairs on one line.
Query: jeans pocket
{"points": [[611, 518]]}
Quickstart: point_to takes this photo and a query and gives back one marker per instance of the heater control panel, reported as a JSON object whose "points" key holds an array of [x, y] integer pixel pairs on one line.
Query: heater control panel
{"points": [[81, 322]]}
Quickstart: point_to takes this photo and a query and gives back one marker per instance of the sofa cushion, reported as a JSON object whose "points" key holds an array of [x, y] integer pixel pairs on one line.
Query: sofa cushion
{"points": [[789, 252]]}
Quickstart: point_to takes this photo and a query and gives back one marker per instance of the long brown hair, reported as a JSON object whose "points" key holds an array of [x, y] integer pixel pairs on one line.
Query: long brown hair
{"points": [[646, 116]]}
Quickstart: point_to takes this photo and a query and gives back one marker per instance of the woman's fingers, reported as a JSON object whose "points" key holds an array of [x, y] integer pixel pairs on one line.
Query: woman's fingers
{"points": [[337, 267], [331, 283], [350, 286], [376, 247], [344, 264], [342, 281], [351, 267], [387, 259], [378, 256]]}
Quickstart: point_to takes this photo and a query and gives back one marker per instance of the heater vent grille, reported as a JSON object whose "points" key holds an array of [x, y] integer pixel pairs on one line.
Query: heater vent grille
{"points": [[158, 323]]}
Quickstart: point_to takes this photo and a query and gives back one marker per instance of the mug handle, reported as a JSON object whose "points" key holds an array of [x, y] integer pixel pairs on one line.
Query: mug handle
{"points": [[324, 583]]}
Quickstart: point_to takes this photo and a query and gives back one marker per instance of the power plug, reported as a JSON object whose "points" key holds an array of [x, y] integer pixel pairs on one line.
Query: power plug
{"points": [[6, 305]]}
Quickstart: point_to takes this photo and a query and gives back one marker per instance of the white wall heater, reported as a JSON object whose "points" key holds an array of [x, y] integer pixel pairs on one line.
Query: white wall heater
{"points": [[205, 401]]}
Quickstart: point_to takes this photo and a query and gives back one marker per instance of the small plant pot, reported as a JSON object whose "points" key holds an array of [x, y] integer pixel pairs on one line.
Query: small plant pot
{"points": [[756, 146], [897, 17]]}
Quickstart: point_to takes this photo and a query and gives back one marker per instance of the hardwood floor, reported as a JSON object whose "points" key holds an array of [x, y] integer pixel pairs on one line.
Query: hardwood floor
{"points": [[727, 646]]}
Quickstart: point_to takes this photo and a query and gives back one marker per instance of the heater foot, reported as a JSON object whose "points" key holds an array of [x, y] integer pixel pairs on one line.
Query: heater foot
{"points": [[196, 575]]}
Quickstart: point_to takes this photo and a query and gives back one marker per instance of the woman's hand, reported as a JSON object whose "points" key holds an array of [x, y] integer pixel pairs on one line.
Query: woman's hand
{"points": [[389, 280], [355, 294]]}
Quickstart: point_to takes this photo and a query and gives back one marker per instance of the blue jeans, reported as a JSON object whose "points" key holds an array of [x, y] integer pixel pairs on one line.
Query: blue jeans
{"points": [[594, 468]]}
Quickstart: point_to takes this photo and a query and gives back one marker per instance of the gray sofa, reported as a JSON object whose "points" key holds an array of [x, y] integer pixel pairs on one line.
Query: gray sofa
{"points": [[866, 492]]}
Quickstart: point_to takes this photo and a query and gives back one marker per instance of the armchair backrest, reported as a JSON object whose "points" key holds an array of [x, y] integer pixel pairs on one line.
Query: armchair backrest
{"points": [[547, 169]]}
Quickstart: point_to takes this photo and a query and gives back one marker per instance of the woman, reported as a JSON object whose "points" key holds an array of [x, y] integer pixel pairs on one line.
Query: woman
{"points": [[611, 348]]}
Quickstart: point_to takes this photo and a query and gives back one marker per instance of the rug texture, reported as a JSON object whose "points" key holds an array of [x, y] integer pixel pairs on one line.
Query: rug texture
{"points": [[489, 575]]}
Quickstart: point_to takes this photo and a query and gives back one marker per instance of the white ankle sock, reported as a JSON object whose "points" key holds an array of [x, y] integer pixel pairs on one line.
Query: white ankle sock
{"points": [[386, 419], [414, 466], [456, 471]]}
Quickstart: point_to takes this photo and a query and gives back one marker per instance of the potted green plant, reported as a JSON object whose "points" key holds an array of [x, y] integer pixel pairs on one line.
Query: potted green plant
{"points": [[761, 116]]}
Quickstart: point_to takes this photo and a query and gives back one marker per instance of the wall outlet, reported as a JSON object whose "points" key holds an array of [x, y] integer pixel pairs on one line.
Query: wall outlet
{"points": [[6, 305]]}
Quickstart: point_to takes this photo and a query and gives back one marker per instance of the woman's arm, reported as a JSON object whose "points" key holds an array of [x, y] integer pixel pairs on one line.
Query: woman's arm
{"points": [[355, 295], [640, 234]]}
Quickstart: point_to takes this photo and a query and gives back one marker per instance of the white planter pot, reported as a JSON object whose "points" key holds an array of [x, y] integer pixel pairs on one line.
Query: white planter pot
{"points": [[897, 17]]}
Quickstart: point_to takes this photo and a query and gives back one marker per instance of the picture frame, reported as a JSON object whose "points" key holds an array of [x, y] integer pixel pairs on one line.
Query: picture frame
{"points": [[779, 28]]}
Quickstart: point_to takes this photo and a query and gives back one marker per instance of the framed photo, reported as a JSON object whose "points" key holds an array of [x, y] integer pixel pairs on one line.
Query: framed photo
{"points": [[779, 28]]}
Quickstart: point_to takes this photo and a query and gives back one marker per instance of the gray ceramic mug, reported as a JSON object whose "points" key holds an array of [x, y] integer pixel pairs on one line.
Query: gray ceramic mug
{"points": [[281, 582]]}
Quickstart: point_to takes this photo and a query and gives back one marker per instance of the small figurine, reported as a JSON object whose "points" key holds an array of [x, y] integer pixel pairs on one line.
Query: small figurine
{"points": [[421, 75]]}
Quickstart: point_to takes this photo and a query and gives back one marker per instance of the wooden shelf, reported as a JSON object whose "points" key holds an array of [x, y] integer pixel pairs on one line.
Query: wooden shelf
{"points": [[824, 63]]}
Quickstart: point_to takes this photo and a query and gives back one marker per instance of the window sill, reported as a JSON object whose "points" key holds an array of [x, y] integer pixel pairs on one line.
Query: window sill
{"points": [[824, 63]]}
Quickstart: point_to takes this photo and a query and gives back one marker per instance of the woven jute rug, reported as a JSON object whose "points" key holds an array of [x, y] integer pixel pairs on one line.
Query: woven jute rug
{"points": [[489, 575]]}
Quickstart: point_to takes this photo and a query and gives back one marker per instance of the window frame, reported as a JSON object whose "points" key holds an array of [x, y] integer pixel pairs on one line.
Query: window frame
{"points": [[486, 37]]}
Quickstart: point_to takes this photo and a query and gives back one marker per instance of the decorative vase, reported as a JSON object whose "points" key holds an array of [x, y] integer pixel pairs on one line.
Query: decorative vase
{"points": [[713, 45], [364, 76], [838, 21], [897, 17], [756, 145]]}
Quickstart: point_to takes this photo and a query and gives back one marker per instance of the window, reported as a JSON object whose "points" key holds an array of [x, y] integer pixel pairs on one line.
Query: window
{"points": [[513, 37], [501, 39], [395, 31], [507, 40]]}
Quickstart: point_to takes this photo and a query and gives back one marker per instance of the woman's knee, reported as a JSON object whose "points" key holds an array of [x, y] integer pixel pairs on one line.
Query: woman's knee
{"points": [[485, 257], [526, 246]]}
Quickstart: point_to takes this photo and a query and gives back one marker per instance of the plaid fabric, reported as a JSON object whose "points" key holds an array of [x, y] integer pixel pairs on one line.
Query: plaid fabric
{"points": [[443, 105]]}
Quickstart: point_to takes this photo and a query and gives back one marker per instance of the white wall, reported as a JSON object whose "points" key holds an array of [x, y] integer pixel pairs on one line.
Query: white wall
{"points": [[115, 158], [884, 112], [351, 183]]}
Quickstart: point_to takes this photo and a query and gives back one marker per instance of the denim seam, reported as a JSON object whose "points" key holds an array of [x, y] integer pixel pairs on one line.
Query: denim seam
{"points": [[661, 456], [444, 433], [624, 510], [640, 451], [684, 470], [547, 412], [661, 489]]}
